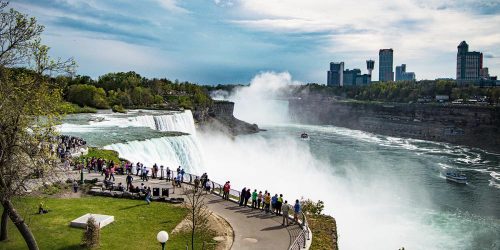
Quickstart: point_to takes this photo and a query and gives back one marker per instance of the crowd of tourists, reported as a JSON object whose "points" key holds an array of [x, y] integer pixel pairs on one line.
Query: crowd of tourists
{"points": [[68, 145], [276, 205], [264, 201]]}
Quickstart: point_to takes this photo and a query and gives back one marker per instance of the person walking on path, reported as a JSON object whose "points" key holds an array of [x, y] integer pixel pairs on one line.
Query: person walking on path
{"points": [[148, 196], [296, 210], [168, 174], [129, 180], [242, 196], [75, 186], [285, 210], [254, 199]]}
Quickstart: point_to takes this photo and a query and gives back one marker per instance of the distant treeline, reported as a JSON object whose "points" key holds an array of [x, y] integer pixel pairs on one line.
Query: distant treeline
{"points": [[402, 91], [131, 90]]}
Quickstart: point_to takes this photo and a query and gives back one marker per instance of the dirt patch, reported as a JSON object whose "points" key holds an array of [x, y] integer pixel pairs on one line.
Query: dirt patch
{"points": [[223, 231]]}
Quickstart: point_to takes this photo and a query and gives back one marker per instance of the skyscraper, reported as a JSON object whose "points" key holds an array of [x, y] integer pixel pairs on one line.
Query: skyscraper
{"points": [[469, 64], [402, 75], [336, 74], [385, 72]]}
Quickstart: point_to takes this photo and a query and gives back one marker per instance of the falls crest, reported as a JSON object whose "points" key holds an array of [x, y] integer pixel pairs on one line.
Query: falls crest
{"points": [[181, 122]]}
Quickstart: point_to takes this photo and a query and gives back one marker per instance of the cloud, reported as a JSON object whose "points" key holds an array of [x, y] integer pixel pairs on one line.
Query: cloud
{"points": [[172, 5], [417, 30]]}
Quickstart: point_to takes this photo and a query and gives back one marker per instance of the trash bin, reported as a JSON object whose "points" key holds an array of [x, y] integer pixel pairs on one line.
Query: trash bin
{"points": [[156, 191], [164, 192]]}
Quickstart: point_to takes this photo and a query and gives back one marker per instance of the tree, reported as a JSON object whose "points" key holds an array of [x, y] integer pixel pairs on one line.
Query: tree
{"points": [[28, 108], [198, 211]]}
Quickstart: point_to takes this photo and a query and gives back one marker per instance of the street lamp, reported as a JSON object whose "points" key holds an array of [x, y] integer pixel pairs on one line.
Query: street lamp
{"points": [[162, 237]]}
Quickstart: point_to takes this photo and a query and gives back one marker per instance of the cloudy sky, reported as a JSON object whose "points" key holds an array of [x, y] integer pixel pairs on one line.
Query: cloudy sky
{"points": [[230, 41]]}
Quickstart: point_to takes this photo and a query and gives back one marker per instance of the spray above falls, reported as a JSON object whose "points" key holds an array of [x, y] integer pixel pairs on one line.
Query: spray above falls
{"points": [[262, 101]]}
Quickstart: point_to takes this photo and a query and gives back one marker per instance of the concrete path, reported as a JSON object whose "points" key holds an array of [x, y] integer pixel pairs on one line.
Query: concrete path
{"points": [[253, 229]]}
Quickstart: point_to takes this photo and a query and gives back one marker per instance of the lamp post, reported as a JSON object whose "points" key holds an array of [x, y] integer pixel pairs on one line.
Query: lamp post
{"points": [[162, 237]]}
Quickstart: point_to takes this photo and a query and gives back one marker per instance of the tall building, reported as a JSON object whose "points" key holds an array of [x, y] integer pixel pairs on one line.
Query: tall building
{"points": [[402, 75], [336, 74], [385, 72], [350, 76], [469, 64]]}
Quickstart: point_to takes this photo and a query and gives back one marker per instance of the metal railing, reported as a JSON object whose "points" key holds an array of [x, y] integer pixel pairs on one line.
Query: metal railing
{"points": [[300, 241]]}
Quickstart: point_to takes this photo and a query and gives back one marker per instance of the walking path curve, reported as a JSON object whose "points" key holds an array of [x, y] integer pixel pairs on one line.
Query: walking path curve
{"points": [[253, 229]]}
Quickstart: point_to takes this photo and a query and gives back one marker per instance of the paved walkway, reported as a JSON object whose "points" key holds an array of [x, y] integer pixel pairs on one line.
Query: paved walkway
{"points": [[253, 229]]}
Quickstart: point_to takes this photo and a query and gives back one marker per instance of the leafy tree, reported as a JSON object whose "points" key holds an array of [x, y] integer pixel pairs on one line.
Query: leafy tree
{"points": [[28, 108], [87, 95]]}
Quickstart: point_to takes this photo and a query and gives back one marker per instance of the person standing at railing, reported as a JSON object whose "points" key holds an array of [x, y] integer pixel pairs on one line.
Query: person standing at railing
{"points": [[226, 189], [285, 210], [242, 196], [168, 174], [296, 210], [248, 194], [182, 175], [207, 186], [259, 199], [196, 183], [279, 203], [274, 202], [267, 201], [254, 199]]}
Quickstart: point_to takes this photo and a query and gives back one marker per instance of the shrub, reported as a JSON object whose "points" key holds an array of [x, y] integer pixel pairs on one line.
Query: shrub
{"points": [[119, 109], [311, 207], [92, 234]]}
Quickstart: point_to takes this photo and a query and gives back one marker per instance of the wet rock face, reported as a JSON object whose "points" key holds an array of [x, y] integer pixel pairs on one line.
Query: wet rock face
{"points": [[466, 125], [220, 117]]}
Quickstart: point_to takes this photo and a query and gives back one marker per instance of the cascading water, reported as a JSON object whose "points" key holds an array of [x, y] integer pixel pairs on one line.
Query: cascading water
{"points": [[180, 122], [173, 151]]}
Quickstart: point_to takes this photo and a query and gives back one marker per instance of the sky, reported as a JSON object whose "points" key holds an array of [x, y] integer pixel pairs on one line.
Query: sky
{"points": [[230, 41]]}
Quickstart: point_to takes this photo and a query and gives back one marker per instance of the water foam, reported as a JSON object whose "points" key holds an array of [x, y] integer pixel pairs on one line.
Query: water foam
{"points": [[174, 151]]}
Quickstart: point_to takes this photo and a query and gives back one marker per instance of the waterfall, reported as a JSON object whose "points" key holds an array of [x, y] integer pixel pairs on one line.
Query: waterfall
{"points": [[179, 121], [170, 152]]}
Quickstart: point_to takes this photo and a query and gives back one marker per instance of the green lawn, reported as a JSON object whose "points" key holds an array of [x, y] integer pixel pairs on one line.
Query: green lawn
{"points": [[135, 227], [108, 155]]}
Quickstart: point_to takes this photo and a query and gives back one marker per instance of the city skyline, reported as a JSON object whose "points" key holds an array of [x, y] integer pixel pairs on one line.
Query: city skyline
{"points": [[226, 41]]}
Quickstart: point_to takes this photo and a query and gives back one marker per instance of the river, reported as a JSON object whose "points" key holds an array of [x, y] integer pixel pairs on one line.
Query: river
{"points": [[384, 192]]}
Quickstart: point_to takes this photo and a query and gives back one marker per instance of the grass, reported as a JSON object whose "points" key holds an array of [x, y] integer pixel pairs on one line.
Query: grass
{"points": [[108, 155], [324, 230], [135, 227]]}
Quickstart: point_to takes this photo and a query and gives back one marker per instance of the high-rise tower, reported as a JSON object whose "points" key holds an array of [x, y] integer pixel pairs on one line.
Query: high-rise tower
{"points": [[386, 73], [469, 64]]}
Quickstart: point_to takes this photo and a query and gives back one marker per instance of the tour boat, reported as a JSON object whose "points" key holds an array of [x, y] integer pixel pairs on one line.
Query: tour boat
{"points": [[456, 177], [304, 136]]}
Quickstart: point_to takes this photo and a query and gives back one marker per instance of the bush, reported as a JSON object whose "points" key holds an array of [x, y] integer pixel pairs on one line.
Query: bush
{"points": [[311, 207], [92, 234], [119, 109], [71, 108]]}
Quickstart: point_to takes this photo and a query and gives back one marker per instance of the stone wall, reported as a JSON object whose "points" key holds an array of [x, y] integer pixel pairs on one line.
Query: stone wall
{"points": [[473, 126]]}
